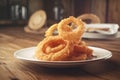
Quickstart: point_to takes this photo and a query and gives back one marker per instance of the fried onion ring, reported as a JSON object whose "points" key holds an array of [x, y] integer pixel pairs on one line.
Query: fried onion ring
{"points": [[67, 33], [53, 49], [81, 52], [50, 31]]}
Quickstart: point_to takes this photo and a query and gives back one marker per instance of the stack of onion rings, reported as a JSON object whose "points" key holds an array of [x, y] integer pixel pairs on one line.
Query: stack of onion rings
{"points": [[67, 45]]}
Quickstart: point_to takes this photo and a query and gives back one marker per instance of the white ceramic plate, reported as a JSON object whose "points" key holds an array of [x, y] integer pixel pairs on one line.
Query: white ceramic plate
{"points": [[27, 55]]}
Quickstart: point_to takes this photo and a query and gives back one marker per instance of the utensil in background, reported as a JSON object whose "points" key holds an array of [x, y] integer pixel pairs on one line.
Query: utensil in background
{"points": [[103, 28], [18, 11], [24, 12], [58, 10]]}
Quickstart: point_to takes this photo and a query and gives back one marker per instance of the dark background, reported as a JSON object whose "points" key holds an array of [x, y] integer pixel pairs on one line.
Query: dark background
{"points": [[107, 10]]}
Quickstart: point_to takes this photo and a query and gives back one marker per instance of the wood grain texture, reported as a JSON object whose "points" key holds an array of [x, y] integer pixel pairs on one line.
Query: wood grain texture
{"points": [[14, 38], [81, 7], [98, 7], [113, 11], [68, 7], [34, 6]]}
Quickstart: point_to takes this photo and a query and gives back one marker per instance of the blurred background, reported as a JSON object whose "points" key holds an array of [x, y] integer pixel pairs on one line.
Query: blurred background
{"points": [[18, 12]]}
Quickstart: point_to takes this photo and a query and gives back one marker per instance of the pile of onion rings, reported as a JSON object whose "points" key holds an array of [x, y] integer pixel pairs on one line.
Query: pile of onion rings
{"points": [[67, 45]]}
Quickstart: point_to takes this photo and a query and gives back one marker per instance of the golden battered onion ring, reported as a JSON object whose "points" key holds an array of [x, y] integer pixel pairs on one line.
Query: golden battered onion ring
{"points": [[67, 33], [80, 52], [80, 47], [53, 48], [50, 31]]}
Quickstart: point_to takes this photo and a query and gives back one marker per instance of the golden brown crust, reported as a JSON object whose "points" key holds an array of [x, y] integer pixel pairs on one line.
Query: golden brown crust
{"points": [[66, 31], [53, 48], [50, 31]]}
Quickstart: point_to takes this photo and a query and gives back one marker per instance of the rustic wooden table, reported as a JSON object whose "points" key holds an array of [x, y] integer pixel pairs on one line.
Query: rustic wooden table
{"points": [[14, 38]]}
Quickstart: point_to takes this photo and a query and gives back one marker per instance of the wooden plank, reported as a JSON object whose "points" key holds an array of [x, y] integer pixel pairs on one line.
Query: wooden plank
{"points": [[34, 6], [35, 72], [68, 7], [4, 75], [105, 70], [98, 7], [20, 70], [81, 7], [113, 11]]}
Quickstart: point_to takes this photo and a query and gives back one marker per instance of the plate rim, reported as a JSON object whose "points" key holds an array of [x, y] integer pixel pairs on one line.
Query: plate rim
{"points": [[62, 62]]}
